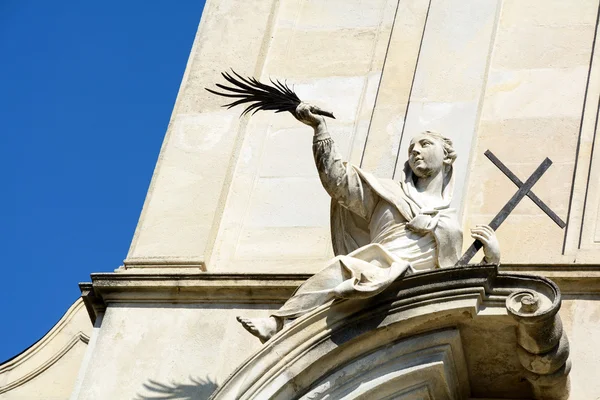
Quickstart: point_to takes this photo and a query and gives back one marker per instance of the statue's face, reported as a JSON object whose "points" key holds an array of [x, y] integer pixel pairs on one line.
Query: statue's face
{"points": [[425, 155]]}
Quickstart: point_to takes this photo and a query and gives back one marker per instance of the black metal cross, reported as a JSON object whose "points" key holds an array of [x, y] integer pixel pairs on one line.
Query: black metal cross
{"points": [[524, 190]]}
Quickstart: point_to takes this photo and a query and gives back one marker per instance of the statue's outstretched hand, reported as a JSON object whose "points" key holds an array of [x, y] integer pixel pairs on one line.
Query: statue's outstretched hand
{"points": [[305, 113], [487, 237]]}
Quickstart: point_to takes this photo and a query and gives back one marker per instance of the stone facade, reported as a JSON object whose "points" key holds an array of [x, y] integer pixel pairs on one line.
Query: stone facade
{"points": [[48, 369], [236, 218]]}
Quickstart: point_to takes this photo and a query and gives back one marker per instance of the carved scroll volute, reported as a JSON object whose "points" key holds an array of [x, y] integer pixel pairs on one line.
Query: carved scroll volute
{"points": [[543, 347]]}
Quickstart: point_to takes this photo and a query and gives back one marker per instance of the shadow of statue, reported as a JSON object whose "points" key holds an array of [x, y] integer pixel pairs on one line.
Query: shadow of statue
{"points": [[197, 389], [366, 322]]}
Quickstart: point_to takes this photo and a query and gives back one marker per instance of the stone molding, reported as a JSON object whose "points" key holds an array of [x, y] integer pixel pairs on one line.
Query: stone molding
{"points": [[41, 355], [428, 366], [318, 345], [571, 279], [163, 262], [464, 292], [166, 285], [107, 288], [543, 344]]}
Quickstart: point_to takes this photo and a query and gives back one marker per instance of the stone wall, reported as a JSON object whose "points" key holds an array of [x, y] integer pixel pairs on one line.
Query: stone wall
{"points": [[540, 100], [518, 78], [147, 350], [241, 195]]}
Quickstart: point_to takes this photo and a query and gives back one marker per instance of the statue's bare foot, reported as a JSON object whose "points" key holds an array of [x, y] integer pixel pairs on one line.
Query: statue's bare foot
{"points": [[262, 328]]}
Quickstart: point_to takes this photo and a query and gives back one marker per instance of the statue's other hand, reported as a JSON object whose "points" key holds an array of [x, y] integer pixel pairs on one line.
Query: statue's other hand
{"points": [[487, 237], [305, 114]]}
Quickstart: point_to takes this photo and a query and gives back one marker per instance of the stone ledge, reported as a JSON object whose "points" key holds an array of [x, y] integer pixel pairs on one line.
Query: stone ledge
{"points": [[163, 262], [166, 286], [352, 336], [121, 287], [571, 279]]}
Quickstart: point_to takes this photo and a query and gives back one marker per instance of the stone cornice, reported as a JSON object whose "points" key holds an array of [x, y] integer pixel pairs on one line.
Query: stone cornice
{"points": [[458, 295], [571, 279], [264, 288], [305, 356], [186, 288]]}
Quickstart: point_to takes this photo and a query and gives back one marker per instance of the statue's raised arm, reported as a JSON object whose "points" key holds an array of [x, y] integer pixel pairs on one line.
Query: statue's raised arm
{"points": [[340, 180]]}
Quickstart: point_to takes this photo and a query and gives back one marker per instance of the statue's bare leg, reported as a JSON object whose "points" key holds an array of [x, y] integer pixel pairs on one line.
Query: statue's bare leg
{"points": [[262, 328]]}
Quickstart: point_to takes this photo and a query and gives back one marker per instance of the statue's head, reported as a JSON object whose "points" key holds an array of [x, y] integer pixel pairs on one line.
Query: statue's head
{"points": [[429, 153]]}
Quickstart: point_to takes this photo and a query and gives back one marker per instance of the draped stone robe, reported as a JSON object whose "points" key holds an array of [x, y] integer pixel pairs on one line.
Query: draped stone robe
{"points": [[369, 229]]}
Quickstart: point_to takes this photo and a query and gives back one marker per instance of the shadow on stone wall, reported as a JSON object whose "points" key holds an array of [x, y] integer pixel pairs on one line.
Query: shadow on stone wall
{"points": [[197, 389]]}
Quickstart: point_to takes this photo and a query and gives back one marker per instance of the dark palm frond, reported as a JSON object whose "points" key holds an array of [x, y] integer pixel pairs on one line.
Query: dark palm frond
{"points": [[277, 97]]}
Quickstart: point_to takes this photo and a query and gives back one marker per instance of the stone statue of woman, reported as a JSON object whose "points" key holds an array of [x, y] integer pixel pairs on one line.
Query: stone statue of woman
{"points": [[381, 229]]}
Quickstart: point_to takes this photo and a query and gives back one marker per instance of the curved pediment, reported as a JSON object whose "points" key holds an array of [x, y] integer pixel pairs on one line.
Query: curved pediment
{"points": [[48, 369], [454, 333]]}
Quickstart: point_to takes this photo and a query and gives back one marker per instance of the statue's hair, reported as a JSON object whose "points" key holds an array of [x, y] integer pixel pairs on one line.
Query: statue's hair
{"points": [[446, 142]]}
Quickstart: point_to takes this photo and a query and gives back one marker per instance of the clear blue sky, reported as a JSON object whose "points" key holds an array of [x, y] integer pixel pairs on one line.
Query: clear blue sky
{"points": [[86, 92]]}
